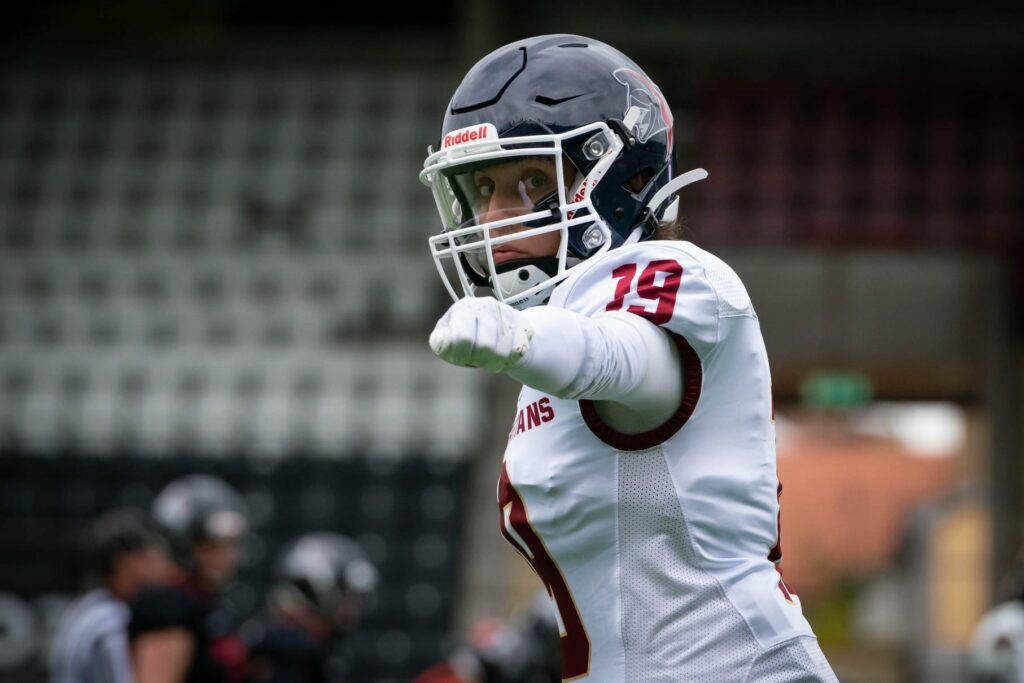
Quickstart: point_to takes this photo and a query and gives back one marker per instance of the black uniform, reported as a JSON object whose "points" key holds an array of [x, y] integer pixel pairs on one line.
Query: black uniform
{"points": [[284, 652], [217, 657]]}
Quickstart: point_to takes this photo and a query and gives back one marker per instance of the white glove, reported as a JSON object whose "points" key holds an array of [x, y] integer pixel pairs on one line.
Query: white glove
{"points": [[481, 333]]}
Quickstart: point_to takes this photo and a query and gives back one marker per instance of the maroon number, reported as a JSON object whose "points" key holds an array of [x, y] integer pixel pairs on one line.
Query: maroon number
{"points": [[516, 528], [624, 274], [647, 288]]}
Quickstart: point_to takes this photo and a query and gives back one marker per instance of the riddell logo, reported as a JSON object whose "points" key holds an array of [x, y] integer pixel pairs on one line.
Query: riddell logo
{"points": [[580, 194], [485, 131]]}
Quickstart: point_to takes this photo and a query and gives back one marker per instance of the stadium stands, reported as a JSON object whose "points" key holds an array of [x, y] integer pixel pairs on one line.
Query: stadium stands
{"points": [[228, 272], [199, 249]]}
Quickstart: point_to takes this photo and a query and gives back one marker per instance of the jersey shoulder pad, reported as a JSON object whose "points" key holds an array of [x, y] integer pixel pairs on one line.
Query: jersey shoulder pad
{"points": [[674, 284]]}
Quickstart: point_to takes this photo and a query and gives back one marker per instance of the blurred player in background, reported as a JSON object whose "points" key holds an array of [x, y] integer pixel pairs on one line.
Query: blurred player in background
{"points": [[175, 635], [639, 479], [524, 649], [323, 581], [996, 651], [121, 552]]}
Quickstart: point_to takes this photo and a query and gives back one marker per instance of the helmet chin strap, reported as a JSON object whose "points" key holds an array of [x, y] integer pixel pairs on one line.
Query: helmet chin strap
{"points": [[522, 274]]}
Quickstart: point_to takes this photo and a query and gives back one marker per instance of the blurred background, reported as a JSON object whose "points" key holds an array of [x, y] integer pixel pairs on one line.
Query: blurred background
{"points": [[213, 259]]}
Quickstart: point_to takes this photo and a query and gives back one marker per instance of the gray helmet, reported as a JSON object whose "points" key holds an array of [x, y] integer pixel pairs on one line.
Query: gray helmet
{"points": [[200, 507], [322, 570]]}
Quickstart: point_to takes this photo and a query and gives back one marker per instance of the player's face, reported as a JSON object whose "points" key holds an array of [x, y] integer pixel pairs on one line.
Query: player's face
{"points": [[217, 561], [513, 188], [139, 568], [347, 613]]}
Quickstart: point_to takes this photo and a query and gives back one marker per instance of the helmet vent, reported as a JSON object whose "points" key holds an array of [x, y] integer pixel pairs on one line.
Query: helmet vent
{"points": [[500, 68], [573, 45], [552, 101]]}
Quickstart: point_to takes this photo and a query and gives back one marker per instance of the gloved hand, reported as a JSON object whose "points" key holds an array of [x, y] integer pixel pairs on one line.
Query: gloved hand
{"points": [[481, 333]]}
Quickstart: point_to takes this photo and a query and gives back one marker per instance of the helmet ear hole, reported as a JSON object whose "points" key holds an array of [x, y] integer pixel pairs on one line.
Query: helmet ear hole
{"points": [[638, 182]]}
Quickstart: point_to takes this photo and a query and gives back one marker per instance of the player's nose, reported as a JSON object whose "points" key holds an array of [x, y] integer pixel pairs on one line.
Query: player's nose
{"points": [[506, 202]]}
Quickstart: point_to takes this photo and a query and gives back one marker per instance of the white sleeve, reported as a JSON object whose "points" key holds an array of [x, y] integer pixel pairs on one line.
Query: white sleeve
{"points": [[112, 662], [614, 357]]}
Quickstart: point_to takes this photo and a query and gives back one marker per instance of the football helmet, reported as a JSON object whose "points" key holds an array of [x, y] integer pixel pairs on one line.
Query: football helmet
{"points": [[327, 573], [197, 508], [570, 100]]}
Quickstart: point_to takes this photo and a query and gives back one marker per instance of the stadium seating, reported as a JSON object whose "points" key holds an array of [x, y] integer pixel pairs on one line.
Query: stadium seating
{"points": [[857, 163], [259, 223], [228, 272]]}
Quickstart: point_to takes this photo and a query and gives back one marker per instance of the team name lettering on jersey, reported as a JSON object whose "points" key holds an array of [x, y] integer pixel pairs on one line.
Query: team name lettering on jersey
{"points": [[534, 415]]}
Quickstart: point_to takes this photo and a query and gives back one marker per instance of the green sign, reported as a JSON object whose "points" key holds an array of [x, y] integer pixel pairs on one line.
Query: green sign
{"points": [[836, 389]]}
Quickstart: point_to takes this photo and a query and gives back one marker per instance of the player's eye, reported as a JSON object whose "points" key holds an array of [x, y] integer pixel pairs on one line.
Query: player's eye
{"points": [[535, 182], [485, 189]]}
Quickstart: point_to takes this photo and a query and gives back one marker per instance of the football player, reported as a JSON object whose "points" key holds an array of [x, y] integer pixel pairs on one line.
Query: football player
{"points": [[122, 553], [639, 479], [323, 581], [523, 649], [174, 628], [996, 650]]}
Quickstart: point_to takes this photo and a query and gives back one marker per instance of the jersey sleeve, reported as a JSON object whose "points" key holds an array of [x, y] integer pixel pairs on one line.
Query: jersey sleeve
{"points": [[676, 286], [112, 661], [683, 290]]}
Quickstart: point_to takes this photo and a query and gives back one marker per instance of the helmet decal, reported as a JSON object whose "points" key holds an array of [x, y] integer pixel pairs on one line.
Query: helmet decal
{"points": [[643, 95]]}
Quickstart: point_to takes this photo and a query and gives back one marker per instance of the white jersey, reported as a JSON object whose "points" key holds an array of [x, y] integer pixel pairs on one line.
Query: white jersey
{"points": [[91, 642], [655, 547]]}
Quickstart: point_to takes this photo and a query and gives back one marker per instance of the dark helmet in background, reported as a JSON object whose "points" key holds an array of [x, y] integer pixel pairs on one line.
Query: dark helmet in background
{"points": [[525, 648]]}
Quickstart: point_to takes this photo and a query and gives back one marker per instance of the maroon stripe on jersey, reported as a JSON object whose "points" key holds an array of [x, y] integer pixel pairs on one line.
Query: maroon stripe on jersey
{"points": [[693, 375], [775, 554], [575, 641]]}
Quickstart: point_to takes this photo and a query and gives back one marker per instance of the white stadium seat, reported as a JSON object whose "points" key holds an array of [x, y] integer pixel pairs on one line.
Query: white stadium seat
{"points": [[150, 306]]}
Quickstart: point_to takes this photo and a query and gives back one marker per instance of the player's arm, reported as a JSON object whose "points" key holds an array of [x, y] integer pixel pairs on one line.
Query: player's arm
{"points": [[163, 656], [627, 365]]}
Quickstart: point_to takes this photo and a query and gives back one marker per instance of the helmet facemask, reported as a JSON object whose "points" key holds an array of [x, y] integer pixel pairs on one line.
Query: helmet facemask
{"points": [[477, 248]]}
